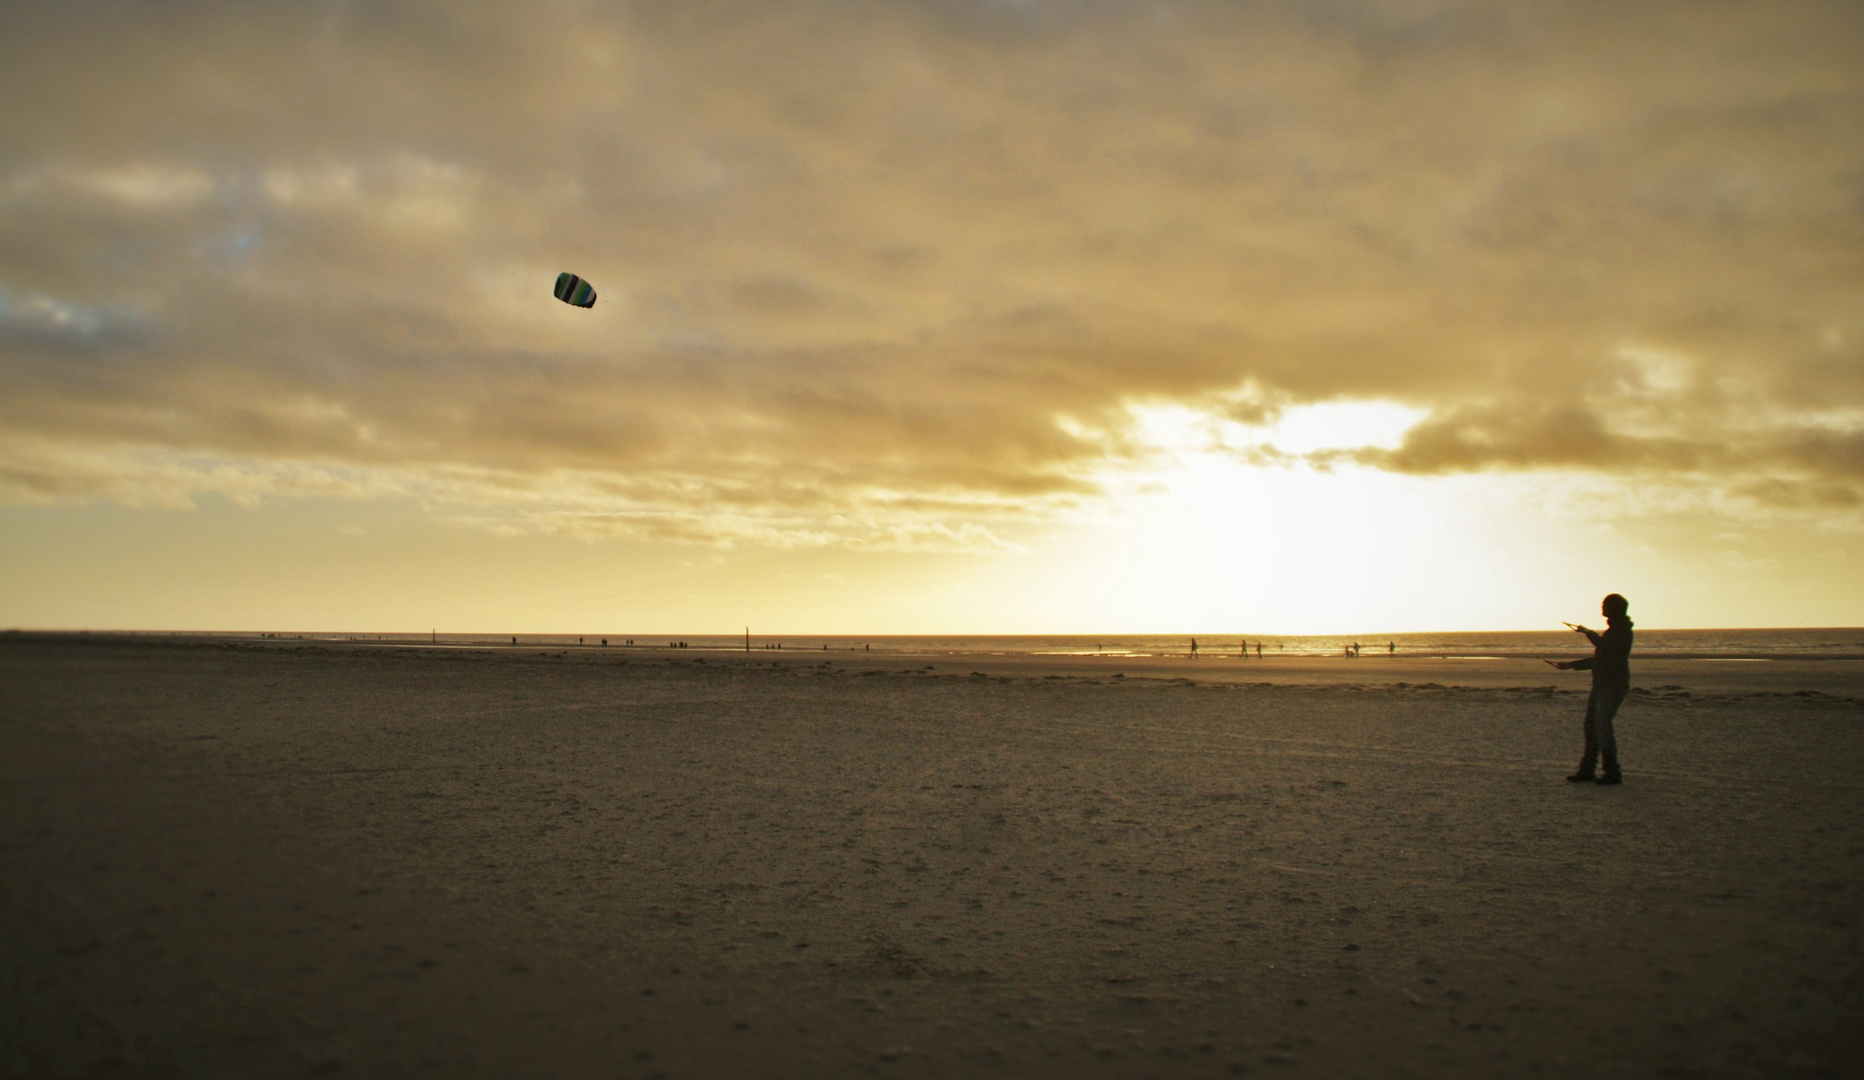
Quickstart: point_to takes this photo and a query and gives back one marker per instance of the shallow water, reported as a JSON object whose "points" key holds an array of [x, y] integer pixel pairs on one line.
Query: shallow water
{"points": [[1725, 644]]}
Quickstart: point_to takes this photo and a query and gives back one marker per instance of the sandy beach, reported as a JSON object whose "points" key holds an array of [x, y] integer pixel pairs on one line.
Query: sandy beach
{"points": [[239, 859]]}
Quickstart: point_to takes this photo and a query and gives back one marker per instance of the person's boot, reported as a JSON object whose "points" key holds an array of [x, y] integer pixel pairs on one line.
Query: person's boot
{"points": [[1585, 774], [1611, 775]]}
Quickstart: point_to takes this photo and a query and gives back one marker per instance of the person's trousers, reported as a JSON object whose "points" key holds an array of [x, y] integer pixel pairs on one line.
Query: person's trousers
{"points": [[1601, 709]]}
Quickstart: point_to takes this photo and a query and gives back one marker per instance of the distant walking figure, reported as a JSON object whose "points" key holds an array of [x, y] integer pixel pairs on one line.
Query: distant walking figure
{"points": [[1610, 664], [1193, 648]]}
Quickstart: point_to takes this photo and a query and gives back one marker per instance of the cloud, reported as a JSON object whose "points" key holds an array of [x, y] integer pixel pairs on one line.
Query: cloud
{"points": [[865, 532], [889, 259], [37, 471], [1774, 457], [49, 323]]}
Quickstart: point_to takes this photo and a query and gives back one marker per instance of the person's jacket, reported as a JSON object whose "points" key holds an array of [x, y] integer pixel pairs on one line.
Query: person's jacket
{"points": [[1610, 662]]}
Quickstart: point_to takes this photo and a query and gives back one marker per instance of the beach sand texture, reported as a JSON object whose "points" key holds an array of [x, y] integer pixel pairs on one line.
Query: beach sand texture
{"points": [[280, 860]]}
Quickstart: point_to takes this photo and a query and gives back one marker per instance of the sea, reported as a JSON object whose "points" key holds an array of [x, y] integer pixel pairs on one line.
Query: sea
{"points": [[1729, 645]]}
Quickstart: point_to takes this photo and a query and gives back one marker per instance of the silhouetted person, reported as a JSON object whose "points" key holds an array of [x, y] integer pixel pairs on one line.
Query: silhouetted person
{"points": [[1391, 648], [1610, 664], [1193, 648], [1258, 650]]}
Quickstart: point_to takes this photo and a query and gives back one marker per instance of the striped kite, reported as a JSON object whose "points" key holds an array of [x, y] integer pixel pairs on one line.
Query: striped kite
{"points": [[575, 291]]}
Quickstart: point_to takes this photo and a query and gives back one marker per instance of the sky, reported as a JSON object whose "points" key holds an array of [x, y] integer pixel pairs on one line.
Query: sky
{"points": [[931, 316]]}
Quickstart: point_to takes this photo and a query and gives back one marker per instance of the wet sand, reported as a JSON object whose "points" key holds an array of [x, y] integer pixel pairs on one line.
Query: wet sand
{"points": [[284, 860]]}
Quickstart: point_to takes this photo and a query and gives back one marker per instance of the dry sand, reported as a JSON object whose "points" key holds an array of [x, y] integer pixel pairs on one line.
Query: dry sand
{"points": [[284, 860]]}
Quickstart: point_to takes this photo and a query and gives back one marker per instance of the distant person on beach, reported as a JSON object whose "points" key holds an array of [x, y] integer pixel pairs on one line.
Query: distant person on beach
{"points": [[1193, 648], [1391, 648], [1610, 664], [1258, 650]]}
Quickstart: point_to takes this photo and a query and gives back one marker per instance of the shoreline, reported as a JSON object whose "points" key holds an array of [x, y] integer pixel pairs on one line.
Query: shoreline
{"points": [[1837, 677], [801, 647]]}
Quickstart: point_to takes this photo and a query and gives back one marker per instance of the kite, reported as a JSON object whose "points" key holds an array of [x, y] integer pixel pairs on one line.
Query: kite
{"points": [[575, 291]]}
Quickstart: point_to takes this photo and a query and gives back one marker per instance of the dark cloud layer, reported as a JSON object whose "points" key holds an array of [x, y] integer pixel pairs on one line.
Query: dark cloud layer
{"points": [[915, 261]]}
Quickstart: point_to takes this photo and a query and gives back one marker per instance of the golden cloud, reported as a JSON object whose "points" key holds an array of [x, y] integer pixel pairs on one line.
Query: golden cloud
{"points": [[918, 262]]}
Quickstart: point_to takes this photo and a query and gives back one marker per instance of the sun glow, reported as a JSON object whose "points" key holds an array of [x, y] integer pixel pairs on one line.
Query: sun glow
{"points": [[1336, 425], [1230, 530], [1300, 429], [1221, 544]]}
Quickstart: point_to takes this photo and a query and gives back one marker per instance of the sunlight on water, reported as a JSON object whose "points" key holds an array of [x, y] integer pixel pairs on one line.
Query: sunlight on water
{"points": [[1713, 646]]}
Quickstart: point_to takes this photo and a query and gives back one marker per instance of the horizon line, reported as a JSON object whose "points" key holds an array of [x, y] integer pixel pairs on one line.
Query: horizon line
{"points": [[740, 633]]}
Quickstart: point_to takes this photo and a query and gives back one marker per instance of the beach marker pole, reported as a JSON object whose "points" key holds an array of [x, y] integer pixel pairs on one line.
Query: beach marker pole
{"points": [[747, 639]]}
